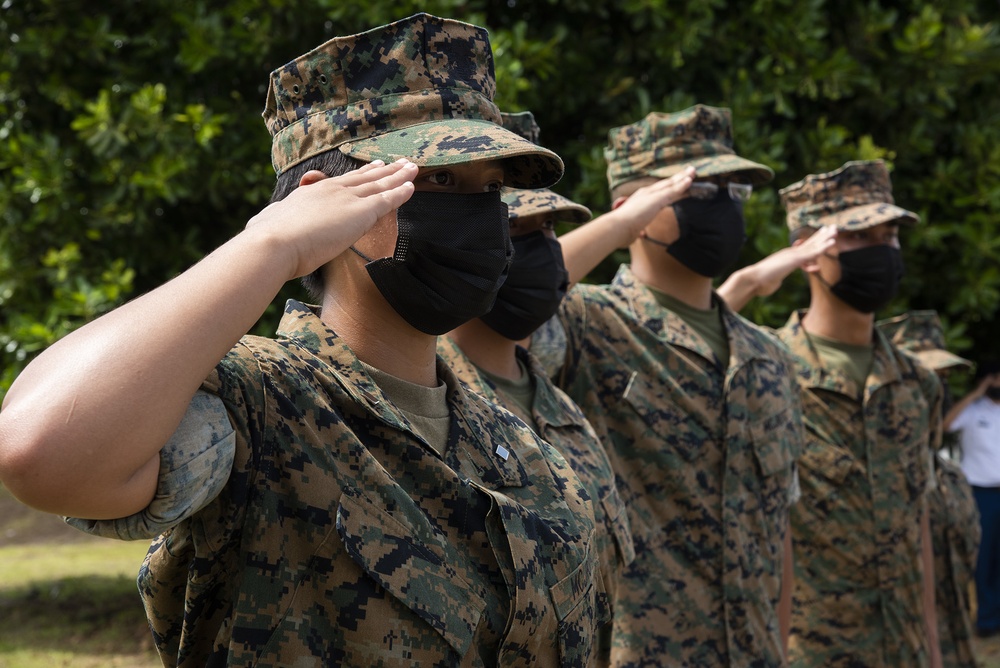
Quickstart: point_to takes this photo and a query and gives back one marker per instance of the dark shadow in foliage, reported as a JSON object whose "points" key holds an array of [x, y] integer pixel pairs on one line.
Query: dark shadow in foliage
{"points": [[96, 614]]}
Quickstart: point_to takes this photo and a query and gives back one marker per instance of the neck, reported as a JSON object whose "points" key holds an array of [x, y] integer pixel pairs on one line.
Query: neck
{"points": [[833, 319], [382, 339], [656, 268], [487, 349]]}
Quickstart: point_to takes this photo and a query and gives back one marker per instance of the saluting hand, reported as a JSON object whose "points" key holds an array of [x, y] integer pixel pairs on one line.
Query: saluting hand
{"points": [[321, 218], [641, 207]]}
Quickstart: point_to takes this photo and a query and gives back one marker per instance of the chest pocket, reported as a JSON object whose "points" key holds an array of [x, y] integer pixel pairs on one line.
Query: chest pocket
{"points": [[670, 424], [775, 447], [575, 601], [825, 468], [418, 574], [917, 466], [616, 517]]}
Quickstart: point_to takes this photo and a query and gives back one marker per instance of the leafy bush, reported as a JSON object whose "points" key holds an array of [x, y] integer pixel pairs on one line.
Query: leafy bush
{"points": [[131, 145]]}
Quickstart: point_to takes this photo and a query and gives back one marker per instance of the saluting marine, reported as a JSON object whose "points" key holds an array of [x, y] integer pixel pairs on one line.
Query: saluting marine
{"points": [[332, 496]]}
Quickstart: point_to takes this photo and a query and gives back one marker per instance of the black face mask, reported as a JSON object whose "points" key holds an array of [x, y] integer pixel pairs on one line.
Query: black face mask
{"points": [[712, 232], [452, 255], [533, 290], [869, 277]]}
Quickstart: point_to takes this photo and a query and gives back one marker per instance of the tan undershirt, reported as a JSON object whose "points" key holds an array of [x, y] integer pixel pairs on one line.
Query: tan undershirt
{"points": [[707, 323], [518, 395], [852, 360], [425, 407]]}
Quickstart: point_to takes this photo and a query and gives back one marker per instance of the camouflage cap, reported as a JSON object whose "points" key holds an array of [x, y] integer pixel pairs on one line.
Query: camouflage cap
{"points": [[522, 123], [421, 88], [921, 333], [523, 203], [660, 145], [855, 196]]}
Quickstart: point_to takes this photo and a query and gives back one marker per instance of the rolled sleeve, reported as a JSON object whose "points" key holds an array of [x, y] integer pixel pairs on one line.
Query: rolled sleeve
{"points": [[194, 468]]}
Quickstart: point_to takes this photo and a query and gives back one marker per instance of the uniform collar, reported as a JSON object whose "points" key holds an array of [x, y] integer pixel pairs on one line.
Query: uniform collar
{"points": [[889, 365], [744, 345], [550, 407], [469, 443]]}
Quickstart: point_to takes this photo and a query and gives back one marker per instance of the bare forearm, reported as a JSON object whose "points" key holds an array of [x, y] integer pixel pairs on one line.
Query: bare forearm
{"points": [[739, 288], [81, 429], [586, 246], [82, 426], [958, 408]]}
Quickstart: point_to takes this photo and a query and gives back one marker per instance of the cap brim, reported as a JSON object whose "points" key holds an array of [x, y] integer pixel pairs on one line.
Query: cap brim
{"points": [[941, 359], [522, 203], [715, 165], [458, 141], [867, 215]]}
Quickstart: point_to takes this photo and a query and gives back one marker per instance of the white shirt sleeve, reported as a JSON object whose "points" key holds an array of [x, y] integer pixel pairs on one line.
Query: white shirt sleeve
{"points": [[194, 468]]}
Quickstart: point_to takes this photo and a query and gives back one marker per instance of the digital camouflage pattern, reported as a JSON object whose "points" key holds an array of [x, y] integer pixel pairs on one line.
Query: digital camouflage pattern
{"points": [[921, 333], [955, 532], [662, 144], [864, 474], [343, 539], [704, 454], [421, 88], [562, 424], [520, 202], [855, 196], [955, 529], [521, 123]]}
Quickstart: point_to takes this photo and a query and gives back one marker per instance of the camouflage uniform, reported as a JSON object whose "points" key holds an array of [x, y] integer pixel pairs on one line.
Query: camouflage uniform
{"points": [[703, 451], [865, 468], [562, 424], [340, 537], [343, 539], [955, 529], [521, 202]]}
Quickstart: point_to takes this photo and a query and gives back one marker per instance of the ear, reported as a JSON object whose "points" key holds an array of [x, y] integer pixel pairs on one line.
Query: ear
{"points": [[311, 177], [618, 202]]}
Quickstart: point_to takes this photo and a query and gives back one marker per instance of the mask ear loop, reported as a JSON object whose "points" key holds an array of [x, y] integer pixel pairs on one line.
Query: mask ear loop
{"points": [[655, 241], [362, 255], [819, 276]]}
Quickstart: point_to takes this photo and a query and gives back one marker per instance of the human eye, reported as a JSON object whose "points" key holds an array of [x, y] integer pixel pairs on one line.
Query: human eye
{"points": [[549, 225], [440, 178]]}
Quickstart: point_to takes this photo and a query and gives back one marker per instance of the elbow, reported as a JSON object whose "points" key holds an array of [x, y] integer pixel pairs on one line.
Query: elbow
{"points": [[25, 468], [37, 463]]}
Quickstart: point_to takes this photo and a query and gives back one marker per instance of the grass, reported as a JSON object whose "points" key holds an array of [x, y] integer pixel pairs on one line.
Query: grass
{"points": [[73, 604]]}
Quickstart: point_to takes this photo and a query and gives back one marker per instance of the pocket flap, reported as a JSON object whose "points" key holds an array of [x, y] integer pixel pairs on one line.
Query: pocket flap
{"points": [[420, 575], [775, 442], [826, 460], [681, 431]]}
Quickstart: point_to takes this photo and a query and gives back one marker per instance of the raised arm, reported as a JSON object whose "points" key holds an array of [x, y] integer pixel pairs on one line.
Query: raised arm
{"points": [[765, 277], [82, 426], [585, 247], [959, 406]]}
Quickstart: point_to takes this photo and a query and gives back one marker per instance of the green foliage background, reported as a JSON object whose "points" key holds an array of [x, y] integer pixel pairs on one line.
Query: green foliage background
{"points": [[131, 142]]}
